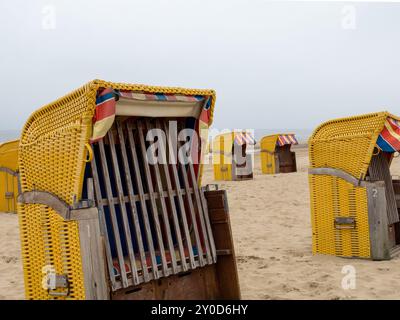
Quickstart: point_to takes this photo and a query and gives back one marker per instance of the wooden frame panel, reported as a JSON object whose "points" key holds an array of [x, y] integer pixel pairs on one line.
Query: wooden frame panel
{"points": [[171, 204]]}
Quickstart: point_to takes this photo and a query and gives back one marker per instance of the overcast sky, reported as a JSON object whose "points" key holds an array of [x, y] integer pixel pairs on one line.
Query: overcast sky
{"points": [[273, 64]]}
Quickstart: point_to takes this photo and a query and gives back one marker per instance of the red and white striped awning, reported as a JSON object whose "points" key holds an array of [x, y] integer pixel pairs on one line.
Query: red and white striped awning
{"points": [[389, 138], [106, 108], [244, 138], [284, 139], [159, 97]]}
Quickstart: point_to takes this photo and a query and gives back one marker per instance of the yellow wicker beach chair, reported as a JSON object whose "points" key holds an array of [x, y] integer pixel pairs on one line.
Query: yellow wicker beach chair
{"points": [[226, 167], [275, 153], [100, 218], [9, 184], [354, 206]]}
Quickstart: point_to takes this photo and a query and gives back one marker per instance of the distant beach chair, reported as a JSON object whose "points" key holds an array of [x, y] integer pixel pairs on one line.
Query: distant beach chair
{"points": [[230, 158], [9, 182], [354, 200], [275, 153], [101, 219]]}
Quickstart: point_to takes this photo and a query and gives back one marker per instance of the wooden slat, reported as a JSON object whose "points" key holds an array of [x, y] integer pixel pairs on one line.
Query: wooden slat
{"points": [[153, 204], [200, 210], [90, 189], [189, 201], [113, 215], [46, 198], [160, 190], [147, 197], [180, 270], [180, 198], [203, 209], [208, 226], [132, 200], [125, 221], [139, 184], [337, 173], [94, 274], [91, 246], [379, 170], [171, 194], [378, 221], [226, 268], [103, 226]]}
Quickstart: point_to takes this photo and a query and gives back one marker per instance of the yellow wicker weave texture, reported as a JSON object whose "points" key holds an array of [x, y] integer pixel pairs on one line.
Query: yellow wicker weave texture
{"points": [[222, 156], [52, 159], [333, 197], [223, 172], [9, 154], [269, 142], [267, 154], [32, 254], [8, 183], [52, 150], [346, 144]]}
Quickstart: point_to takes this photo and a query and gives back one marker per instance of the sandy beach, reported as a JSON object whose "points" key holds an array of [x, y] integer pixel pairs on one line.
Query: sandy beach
{"points": [[11, 274], [271, 228]]}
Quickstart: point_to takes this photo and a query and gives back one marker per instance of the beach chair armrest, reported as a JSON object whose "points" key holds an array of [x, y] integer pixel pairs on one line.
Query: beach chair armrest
{"points": [[80, 211]]}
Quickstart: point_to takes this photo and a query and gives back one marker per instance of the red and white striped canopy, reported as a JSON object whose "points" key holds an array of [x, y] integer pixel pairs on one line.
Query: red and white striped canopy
{"points": [[286, 139], [244, 138]]}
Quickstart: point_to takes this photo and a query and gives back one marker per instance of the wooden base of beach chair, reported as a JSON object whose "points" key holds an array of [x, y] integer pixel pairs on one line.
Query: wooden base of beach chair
{"points": [[199, 284]]}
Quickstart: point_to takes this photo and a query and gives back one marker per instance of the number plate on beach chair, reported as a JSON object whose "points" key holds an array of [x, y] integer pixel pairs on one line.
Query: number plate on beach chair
{"points": [[345, 223]]}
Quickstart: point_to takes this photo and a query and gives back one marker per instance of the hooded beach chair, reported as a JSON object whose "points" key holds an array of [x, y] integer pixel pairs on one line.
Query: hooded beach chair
{"points": [[100, 218], [230, 158], [275, 153], [354, 200], [9, 183]]}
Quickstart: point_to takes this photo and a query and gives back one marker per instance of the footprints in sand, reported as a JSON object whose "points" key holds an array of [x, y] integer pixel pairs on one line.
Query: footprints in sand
{"points": [[8, 259], [384, 269], [274, 259], [243, 260]]}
